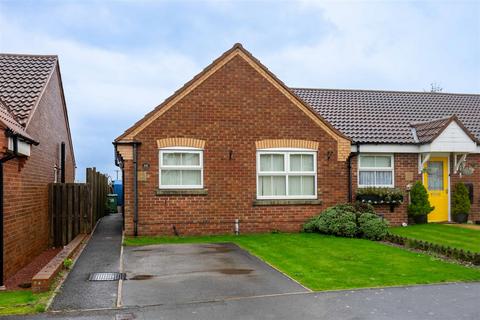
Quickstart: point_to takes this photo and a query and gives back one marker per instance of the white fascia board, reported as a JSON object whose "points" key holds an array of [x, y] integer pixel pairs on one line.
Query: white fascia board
{"points": [[387, 148], [411, 148]]}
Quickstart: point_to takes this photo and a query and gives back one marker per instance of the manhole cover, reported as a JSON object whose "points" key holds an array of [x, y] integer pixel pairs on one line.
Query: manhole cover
{"points": [[106, 276]]}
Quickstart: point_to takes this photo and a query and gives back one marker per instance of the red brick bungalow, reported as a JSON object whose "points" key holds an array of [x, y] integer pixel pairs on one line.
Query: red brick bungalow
{"points": [[236, 143], [35, 149]]}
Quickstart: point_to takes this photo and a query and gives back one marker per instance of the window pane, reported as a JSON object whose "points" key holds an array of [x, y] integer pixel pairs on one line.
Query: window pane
{"points": [[265, 162], [265, 186], [278, 164], [190, 159], [172, 159], [278, 186], [383, 161], [435, 175], [294, 185], [367, 161], [366, 178], [296, 162], [170, 177], [308, 185], [383, 177], [307, 162], [191, 177]]}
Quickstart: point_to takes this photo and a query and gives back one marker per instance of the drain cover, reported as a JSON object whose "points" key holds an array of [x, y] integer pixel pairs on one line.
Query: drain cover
{"points": [[106, 276]]}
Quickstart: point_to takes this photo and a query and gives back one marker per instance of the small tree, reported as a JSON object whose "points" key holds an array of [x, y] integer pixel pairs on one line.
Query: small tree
{"points": [[419, 203], [460, 200]]}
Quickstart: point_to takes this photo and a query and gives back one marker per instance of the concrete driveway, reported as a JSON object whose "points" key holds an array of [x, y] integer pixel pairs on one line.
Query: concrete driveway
{"points": [[185, 273]]}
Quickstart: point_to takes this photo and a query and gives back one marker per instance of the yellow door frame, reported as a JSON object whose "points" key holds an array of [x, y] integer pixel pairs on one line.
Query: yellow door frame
{"points": [[441, 156]]}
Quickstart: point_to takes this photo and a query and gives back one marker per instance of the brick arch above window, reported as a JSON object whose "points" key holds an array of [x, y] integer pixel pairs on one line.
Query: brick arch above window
{"points": [[286, 143], [181, 142]]}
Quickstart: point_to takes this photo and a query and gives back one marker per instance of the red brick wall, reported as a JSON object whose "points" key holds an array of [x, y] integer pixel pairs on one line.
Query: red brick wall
{"points": [[231, 110], [475, 179], [26, 220]]}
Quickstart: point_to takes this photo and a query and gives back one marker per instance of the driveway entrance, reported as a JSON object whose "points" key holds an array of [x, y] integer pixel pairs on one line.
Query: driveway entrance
{"points": [[183, 273]]}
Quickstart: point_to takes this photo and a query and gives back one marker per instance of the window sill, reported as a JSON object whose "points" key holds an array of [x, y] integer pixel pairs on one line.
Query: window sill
{"points": [[181, 192], [286, 202]]}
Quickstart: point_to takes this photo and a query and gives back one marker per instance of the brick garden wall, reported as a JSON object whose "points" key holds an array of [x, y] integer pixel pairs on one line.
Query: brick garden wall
{"points": [[231, 110], [26, 219]]}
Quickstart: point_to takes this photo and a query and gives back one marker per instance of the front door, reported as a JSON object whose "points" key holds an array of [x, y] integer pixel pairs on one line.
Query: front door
{"points": [[436, 181]]}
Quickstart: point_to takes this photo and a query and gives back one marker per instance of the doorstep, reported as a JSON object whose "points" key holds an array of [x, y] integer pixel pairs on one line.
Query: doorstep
{"points": [[42, 281]]}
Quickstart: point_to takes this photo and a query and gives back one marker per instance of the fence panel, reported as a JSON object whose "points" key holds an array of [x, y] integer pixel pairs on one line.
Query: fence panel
{"points": [[75, 207], [68, 207]]}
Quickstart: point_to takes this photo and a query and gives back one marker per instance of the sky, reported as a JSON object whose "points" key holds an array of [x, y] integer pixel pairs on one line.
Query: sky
{"points": [[120, 59]]}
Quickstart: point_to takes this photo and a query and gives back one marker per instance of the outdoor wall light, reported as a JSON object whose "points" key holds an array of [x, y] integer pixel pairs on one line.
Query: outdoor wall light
{"points": [[146, 166], [329, 154]]}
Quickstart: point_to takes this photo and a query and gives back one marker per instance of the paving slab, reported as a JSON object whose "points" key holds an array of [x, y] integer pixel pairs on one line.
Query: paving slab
{"points": [[102, 254], [180, 273]]}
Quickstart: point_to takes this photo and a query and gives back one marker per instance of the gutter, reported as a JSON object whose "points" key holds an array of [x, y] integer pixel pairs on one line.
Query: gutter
{"points": [[135, 145], [2, 161], [350, 156]]}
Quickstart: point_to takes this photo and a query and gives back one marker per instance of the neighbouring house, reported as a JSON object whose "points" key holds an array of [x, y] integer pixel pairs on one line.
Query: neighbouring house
{"points": [[235, 144], [35, 150]]}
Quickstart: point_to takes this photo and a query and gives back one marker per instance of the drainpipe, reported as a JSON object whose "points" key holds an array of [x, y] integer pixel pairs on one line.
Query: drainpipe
{"points": [[350, 156], [135, 191], [2, 161]]}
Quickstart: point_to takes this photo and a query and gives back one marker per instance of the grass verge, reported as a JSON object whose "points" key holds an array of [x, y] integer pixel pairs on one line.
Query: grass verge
{"points": [[460, 238], [322, 262], [22, 302]]}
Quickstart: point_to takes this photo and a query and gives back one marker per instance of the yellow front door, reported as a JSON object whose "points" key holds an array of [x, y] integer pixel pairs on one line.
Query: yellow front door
{"points": [[435, 180]]}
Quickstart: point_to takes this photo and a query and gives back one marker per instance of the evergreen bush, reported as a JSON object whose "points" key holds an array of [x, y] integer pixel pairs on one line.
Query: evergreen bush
{"points": [[419, 203]]}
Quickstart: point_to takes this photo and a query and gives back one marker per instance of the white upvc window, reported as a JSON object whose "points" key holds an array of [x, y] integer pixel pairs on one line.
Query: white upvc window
{"points": [[286, 174], [181, 168], [376, 170]]}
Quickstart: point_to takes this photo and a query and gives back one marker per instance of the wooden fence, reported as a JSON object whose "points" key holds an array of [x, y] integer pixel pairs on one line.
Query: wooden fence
{"points": [[75, 207]]}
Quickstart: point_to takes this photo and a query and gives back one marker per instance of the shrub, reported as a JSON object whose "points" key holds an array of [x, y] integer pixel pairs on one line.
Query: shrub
{"points": [[419, 203], [372, 227], [362, 207], [460, 200], [347, 220], [339, 220]]}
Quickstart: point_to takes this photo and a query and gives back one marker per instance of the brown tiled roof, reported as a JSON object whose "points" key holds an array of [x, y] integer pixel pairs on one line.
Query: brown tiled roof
{"points": [[427, 131], [369, 116], [22, 80], [7, 119]]}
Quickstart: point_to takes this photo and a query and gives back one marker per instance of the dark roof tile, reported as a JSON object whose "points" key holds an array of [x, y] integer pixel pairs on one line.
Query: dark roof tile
{"points": [[369, 116], [22, 79]]}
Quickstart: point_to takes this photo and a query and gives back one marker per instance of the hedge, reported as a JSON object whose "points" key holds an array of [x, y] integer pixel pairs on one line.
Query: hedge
{"points": [[453, 253]]}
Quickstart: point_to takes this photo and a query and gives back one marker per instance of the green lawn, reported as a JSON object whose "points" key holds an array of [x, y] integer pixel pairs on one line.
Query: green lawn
{"points": [[21, 302], [324, 262], [456, 237]]}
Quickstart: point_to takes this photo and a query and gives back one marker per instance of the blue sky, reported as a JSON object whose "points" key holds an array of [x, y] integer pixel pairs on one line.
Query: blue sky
{"points": [[119, 59]]}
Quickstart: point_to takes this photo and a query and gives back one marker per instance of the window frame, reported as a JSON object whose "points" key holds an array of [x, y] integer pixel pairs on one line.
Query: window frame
{"points": [[286, 162], [374, 169], [161, 167]]}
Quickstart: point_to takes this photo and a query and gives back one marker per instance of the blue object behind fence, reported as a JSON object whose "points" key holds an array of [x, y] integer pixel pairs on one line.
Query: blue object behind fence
{"points": [[118, 189]]}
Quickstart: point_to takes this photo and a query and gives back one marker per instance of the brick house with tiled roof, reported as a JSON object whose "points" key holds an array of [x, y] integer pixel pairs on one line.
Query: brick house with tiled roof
{"points": [[235, 147], [35, 150]]}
